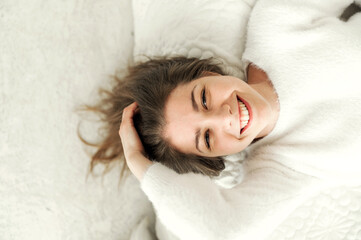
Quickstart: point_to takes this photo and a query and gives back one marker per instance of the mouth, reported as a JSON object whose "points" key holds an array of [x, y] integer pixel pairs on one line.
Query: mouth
{"points": [[245, 114]]}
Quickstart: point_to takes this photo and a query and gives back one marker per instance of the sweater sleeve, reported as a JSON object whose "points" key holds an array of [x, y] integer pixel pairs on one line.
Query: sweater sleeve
{"points": [[302, 31], [192, 206], [295, 11], [306, 17]]}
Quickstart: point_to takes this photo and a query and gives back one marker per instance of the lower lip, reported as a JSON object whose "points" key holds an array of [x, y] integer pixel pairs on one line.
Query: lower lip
{"points": [[250, 115]]}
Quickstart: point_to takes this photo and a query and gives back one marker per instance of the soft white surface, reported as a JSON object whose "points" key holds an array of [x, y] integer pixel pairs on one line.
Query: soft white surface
{"points": [[54, 54], [332, 215], [202, 28]]}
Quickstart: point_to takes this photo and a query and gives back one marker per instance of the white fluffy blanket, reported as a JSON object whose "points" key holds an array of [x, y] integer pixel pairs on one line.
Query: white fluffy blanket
{"points": [[54, 54]]}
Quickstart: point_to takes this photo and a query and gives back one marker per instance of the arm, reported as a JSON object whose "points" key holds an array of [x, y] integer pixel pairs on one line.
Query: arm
{"points": [[306, 9], [132, 146], [310, 29], [294, 16], [193, 207]]}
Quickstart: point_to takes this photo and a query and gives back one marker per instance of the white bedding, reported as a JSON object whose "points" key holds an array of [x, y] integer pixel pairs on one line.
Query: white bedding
{"points": [[54, 55]]}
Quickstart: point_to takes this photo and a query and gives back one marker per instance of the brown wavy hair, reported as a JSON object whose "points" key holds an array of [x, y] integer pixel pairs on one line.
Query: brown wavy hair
{"points": [[150, 84]]}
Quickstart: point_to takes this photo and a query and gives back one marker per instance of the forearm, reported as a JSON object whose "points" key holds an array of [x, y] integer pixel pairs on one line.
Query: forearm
{"points": [[138, 166], [197, 212], [193, 207]]}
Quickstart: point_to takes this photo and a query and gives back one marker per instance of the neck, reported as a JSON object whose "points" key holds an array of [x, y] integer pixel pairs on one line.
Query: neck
{"points": [[259, 81]]}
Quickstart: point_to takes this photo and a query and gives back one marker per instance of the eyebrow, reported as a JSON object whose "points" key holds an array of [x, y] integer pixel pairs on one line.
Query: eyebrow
{"points": [[195, 108], [198, 133], [194, 104]]}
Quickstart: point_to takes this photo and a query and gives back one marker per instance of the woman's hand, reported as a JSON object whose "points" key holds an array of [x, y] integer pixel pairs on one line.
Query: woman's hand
{"points": [[132, 146]]}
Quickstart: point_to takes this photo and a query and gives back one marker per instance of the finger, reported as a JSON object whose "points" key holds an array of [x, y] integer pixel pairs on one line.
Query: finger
{"points": [[132, 107], [128, 112], [127, 118]]}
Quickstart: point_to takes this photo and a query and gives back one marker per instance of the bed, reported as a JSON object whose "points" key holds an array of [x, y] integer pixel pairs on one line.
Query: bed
{"points": [[54, 56]]}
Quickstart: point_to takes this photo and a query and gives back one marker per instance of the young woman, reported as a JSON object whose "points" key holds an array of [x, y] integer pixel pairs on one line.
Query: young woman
{"points": [[298, 112], [206, 117]]}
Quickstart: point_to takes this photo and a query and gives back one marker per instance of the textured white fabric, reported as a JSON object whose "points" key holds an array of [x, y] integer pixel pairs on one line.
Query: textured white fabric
{"points": [[202, 28], [54, 55], [233, 173], [313, 60]]}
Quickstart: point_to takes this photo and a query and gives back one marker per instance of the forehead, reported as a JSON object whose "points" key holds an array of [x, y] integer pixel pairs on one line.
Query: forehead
{"points": [[180, 117]]}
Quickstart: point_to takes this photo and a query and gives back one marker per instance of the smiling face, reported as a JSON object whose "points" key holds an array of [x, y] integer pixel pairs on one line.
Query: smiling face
{"points": [[208, 116]]}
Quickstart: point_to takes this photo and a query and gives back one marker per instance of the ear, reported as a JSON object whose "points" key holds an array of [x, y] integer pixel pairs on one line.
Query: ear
{"points": [[208, 73]]}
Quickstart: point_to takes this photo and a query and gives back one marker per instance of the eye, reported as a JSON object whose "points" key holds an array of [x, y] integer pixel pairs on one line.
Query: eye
{"points": [[204, 100], [206, 140]]}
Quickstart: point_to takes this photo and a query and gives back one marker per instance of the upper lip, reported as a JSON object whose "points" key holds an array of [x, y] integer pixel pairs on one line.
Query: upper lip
{"points": [[239, 113]]}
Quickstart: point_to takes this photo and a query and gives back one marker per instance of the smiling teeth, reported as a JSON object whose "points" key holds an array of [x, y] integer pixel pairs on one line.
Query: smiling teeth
{"points": [[244, 114]]}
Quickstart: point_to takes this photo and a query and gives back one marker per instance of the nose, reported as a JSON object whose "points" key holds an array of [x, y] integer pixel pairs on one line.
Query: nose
{"points": [[224, 119]]}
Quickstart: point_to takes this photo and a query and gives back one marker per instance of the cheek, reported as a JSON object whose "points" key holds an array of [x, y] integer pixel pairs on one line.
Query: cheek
{"points": [[227, 144], [226, 87]]}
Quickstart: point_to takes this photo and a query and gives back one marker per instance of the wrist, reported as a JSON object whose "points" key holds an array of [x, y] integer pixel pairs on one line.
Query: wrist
{"points": [[138, 164]]}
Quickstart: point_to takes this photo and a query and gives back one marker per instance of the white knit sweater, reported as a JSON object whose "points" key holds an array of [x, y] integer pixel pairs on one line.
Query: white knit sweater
{"points": [[314, 61]]}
